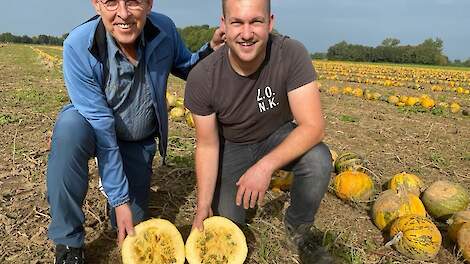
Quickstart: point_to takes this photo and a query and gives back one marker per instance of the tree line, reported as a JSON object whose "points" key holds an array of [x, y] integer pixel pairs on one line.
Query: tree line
{"points": [[193, 36], [429, 52], [41, 39]]}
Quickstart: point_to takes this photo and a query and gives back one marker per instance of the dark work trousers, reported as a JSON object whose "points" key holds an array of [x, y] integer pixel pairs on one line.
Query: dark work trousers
{"points": [[311, 177], [73, 144]]}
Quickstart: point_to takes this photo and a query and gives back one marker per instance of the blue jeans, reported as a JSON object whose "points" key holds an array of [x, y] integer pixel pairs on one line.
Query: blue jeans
{"points": [[73, 144], [311, 177]]}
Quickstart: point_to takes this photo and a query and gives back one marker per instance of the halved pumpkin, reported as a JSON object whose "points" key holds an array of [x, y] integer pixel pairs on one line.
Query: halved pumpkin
{"points": [[156, 241], [222, 241]]}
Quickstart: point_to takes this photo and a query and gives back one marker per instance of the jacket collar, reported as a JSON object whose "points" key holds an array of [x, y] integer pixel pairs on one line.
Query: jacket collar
{"points": [[98, 47]]}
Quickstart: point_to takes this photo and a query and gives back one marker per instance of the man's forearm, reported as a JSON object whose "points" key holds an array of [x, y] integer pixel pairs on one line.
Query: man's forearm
{"points": [[207, 163]]}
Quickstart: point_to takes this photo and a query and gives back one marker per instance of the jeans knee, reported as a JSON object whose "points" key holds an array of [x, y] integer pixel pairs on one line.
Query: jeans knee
{"points": [[72, 130], [318, 158]]}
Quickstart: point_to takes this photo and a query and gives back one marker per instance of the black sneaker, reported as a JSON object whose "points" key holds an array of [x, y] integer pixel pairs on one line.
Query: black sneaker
{"points": [[69, 255], [306, 240]]}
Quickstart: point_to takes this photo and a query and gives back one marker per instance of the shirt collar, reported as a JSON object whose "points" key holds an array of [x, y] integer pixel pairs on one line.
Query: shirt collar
{"points": [[113, 48]]}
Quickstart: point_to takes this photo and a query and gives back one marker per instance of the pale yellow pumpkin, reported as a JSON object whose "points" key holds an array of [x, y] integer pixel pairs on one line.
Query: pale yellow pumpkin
{"points": [[392, 204], [444, 198], [392, 99], [463, 241], [407, 181], [170, 100], [333, 90], [189, 118], [456, 222], [454, 107], [177, 113], [281, 180]]}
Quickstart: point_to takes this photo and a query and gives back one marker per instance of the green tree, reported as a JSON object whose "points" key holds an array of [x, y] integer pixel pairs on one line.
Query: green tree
{"points": [[390, 42]]}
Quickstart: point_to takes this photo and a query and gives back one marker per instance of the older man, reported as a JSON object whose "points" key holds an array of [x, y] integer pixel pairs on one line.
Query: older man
{"points": [[116, 67], [244, 98]]}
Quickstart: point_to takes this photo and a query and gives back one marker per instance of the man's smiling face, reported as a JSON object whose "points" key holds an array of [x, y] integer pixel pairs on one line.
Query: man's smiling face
{"points": [[124, 24], [247, 24]]}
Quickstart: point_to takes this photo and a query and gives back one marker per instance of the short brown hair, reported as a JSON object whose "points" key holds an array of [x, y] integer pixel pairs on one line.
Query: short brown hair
{"points": [[224, 2]]}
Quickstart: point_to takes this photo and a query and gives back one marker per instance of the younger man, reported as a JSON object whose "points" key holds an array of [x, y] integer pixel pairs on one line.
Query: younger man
{"points": [[244, 98]]}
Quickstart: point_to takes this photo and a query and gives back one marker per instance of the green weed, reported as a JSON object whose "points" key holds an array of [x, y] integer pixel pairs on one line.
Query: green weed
{"points": [[347, 118], [437, 159], [7, 119]]}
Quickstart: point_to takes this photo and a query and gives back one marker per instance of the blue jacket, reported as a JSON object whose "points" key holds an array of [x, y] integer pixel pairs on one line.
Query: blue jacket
{"points": [[85, 69]]}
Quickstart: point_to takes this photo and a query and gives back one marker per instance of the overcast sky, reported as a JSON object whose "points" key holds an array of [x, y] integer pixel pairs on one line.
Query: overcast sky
{"points": [[318, 24]]}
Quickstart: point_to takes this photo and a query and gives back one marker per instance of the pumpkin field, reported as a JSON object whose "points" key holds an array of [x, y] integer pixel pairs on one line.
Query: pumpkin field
{"points": [[396, 118]]}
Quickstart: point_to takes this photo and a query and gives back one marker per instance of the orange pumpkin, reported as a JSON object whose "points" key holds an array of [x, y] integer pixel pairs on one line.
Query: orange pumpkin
{"points": [[353, 185]]}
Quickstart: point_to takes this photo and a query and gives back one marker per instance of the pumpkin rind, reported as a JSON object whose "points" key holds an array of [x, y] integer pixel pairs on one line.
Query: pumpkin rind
{"points": [[222, 241], [156, 241], [407, 181], [463, 241], [443, 198], [349, 161], [420, 240], [393, 204], [456, 222], [353, 185]]}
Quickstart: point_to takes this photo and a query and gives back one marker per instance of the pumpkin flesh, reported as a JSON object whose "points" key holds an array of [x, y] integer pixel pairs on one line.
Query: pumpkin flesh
{"points": [[156, 241], [221, 242]]}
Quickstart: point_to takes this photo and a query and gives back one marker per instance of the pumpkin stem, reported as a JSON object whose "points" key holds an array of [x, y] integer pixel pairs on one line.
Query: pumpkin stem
{"points": [[395, 239]]}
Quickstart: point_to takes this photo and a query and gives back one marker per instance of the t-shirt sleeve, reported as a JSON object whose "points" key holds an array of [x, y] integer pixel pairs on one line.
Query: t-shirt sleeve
{"points": [[300, 69], [197, 92]]}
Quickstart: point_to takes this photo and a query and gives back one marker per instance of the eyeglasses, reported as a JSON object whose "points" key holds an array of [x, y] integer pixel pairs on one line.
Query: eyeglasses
{"points": [[112, 5]]}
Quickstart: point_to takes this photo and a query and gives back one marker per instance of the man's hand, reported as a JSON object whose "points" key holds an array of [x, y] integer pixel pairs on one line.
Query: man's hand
{"points": [[252, 186], [201, 215], [218, 39], [124, 222]]}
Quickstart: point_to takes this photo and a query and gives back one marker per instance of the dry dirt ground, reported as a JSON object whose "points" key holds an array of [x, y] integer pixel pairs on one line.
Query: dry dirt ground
{"points": [[393, 140]]}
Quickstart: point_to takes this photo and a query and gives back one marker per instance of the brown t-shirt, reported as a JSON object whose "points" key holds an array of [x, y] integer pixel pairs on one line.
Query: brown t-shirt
{"points": [[249, 108]]}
